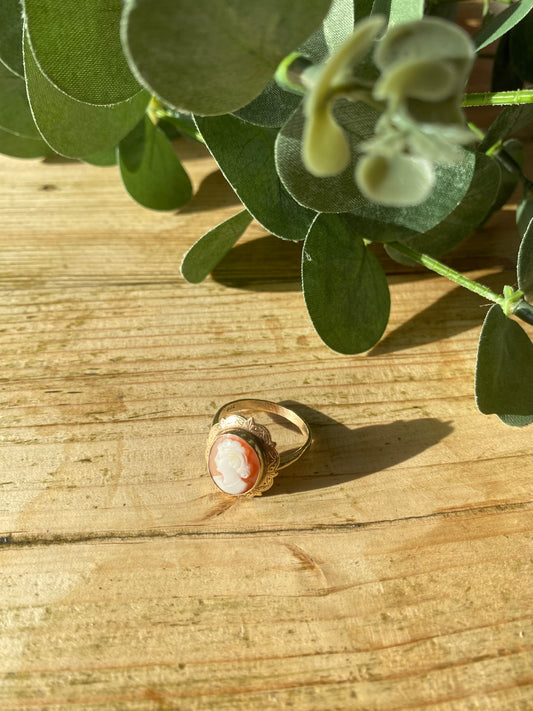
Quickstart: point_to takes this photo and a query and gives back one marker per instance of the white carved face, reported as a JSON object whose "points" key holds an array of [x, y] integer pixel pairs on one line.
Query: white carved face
{"points": [[235, 465]]}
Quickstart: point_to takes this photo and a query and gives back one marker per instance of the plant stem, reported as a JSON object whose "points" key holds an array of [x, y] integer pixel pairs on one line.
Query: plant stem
{"points": [[435, 266], [511, 301], [499, 98]]}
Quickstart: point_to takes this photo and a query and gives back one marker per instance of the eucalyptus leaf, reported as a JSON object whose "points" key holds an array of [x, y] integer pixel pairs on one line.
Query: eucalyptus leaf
{"points": [[463, 220], [525, 263], [15, 113], [337, 193], [345, 287], [498, 25], [362, 8], [524, 213], [211, 57], [504, 76], [271, 108], [452, 181], [504, 370], [77, 47], [207, 252], [11, 36], [245, 155], [509, 178], [339, 23], [17, 146], [151, 170], [72, 128], [104, 159], [381, 7], [521, 48], [405, 11], [510, 120]]}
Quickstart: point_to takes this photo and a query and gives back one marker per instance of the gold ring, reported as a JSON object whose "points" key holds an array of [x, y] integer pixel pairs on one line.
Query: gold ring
{"points": [[241, 457]]}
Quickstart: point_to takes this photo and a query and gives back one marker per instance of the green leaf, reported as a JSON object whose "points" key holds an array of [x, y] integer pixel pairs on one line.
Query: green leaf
{"points": [[521, 48], [207, 252], [501, 23], [271, 108], [339, 23], [15, 113], [504, 76], [338, 193], [104, 158], [245, 155], [17, 146], [344, 286], [510, 120], [509, 178], [72, 128], [11, 36], [451, 184], [405, 11], [77, 47], [214, 57], [524, 213], [466, 217], [151, 170], [504, 370], [525, 263]]}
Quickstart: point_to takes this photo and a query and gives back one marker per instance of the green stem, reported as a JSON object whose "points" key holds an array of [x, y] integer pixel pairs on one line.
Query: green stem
{"points": [[499, 98], [435, 266], [511, 301]]}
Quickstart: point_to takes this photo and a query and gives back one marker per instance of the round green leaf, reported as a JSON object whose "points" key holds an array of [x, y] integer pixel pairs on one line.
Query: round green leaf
{"points": [[451, 184], [340, 193], [345, 288], [151, 170], [337, 193], [214, 57], [245, 155], [17, 146], [207, 252], [77, 47], [11, 36], [103, 159], [504, 370], [466, 217], [15, 113], [72, 128], [271, 108]]}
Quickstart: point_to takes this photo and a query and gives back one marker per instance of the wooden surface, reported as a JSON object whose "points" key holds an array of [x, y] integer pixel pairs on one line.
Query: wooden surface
{"points": [[391, 568]]}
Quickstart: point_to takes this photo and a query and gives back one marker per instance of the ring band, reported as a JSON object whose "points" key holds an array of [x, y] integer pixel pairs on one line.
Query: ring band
{"points": [[241, 457]]}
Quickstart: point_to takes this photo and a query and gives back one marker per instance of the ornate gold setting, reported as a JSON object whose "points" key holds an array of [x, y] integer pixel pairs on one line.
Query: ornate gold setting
{"points": [[228, 421], [258, 437]]}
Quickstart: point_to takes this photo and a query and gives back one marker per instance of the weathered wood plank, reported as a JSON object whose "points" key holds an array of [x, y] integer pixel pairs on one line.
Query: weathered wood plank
{"points": [[111, 368], [433, 612]]}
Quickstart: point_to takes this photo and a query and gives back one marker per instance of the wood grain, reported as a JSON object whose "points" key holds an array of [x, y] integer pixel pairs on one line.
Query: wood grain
{"points": [[390, 568]]}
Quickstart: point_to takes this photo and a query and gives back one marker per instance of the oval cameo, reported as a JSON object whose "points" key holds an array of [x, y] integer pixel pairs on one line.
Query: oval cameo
{"points": [[233, 464]]}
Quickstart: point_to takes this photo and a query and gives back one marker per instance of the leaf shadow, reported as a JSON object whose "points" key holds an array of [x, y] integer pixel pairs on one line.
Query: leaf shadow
{"points": [[339, 454], [263, 264], [213, 190], [452, 314]]}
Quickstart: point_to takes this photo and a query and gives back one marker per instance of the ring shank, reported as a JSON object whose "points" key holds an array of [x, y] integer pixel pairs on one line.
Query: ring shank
{"points": [[254, 405]]}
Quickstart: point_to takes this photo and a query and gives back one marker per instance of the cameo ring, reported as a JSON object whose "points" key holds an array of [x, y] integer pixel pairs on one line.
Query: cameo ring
{"points": [[241, 457]]}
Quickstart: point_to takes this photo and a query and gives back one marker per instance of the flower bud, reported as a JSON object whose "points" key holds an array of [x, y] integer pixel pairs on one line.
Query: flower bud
{"points": [[396, 181]]}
